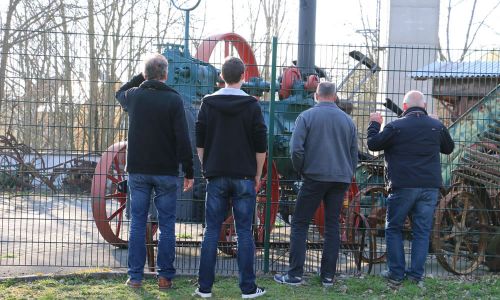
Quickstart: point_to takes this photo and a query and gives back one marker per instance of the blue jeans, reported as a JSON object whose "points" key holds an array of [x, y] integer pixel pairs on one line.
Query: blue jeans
{"points": [[308, 200], [165, 197], [420, 204], [242, 194]]}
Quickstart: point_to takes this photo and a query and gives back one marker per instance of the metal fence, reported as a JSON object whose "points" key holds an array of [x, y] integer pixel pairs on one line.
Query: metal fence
{"points": [[62, 150]]}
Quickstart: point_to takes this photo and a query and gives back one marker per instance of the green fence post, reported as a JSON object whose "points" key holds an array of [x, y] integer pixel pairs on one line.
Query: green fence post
{"points": [[270, 142]]}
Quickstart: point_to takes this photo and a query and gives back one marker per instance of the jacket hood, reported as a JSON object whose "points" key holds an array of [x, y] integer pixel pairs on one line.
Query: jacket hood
{"points": [[229, 104]]}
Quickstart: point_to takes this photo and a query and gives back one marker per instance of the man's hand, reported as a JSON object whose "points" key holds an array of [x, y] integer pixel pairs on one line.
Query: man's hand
{"points": [[188, 184], [434, 116], [257, 183], [376, 117]]}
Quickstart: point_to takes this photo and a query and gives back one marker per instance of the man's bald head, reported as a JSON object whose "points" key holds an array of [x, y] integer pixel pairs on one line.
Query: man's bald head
{"points": [[414, 99]]}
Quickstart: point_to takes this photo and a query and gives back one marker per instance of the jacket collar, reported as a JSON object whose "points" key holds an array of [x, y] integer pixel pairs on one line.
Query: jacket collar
{"points": [[157, 85], [414, 110], [326, 103]]}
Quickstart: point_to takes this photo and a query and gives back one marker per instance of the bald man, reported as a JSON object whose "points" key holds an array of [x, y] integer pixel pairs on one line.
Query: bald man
{"points": [[411, 147]]}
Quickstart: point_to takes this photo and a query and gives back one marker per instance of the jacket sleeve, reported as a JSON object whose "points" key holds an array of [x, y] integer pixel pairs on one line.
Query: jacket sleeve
{"points": [[259, 131], [380, 140], [447, 144], [183, 143], [299, 136], [122, 93], [201, 125], [354, 148]]}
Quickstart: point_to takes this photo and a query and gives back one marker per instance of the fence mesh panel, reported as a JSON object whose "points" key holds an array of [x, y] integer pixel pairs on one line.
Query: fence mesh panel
{"points": [[62, 151]]}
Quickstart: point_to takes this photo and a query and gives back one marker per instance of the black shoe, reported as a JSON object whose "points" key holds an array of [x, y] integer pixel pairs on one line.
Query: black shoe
{"points": [[388, 276], [327, 282], [287, 279], [259, 291]]}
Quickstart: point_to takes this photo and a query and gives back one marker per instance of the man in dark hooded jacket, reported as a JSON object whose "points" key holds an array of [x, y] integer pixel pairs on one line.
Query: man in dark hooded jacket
{"points": [[231, 144]]}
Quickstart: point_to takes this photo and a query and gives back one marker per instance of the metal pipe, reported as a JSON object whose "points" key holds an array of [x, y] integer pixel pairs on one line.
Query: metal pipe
{"points": [[270, 158], [307, 37]]}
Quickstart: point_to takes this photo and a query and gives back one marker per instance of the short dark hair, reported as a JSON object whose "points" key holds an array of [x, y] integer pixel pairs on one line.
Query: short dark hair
{"points": [[155, 67], [232, 69]]}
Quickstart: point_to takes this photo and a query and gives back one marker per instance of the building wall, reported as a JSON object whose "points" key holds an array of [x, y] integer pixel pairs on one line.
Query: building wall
{"points": [[411, 43]]}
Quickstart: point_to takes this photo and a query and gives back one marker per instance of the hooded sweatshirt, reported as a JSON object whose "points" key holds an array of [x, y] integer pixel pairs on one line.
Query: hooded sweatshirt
{"points": [[231, 129]]}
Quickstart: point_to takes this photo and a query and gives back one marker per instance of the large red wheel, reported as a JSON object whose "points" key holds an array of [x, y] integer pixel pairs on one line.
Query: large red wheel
{"points": [[109, 198], [228, 232], [207, 46], [108, 201]]}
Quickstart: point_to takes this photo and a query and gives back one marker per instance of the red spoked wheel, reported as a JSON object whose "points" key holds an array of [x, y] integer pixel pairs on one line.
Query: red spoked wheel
{"points": [[377, 196], [207, 46], [228, 238], [109, 198]]}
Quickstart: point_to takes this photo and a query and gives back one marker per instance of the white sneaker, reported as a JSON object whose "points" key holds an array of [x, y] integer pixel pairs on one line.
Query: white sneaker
{"points": [[257, 293], [201, 294]]}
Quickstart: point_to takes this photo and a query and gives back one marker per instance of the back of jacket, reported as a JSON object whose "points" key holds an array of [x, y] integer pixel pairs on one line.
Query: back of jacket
{"points": [[412, 145], [231, 130], [324, 145], [158, 137]]}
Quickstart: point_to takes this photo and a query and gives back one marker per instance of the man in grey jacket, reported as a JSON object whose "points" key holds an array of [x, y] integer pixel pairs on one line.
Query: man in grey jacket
{"points": [[324, 152]]}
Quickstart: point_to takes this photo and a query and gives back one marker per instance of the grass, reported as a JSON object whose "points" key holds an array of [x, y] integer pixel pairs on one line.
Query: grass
{"points": [[8, 256], [84, 286]]}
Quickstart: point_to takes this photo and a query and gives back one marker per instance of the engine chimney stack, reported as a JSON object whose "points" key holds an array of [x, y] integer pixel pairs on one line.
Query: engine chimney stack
{"points": [[307, 37]]}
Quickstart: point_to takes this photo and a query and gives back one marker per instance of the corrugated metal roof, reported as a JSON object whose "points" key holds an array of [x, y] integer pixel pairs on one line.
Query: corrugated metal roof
{"points": [[441, 69]]}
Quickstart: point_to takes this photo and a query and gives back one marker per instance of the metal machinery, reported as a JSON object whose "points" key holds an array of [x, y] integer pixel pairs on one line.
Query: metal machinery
{"points": [[193, 78], [466, 222]]}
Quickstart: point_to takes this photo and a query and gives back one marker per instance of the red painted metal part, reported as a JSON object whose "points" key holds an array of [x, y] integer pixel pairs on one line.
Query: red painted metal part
{"points": [[311, 83], [228, 232], [351, 194], [108, 204], [207, 46], [289, 76]]}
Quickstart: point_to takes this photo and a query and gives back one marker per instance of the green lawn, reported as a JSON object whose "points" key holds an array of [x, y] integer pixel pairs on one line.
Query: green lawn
{"points": [[370, 287]]}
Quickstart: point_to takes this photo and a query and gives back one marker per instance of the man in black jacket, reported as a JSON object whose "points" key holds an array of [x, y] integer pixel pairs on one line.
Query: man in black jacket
{"points": [[231, 144], [158, 140], [411, 147]]}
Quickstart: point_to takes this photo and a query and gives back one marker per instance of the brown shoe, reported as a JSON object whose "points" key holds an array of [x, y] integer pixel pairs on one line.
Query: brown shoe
{"points": [[135, 284], [164, 283]]}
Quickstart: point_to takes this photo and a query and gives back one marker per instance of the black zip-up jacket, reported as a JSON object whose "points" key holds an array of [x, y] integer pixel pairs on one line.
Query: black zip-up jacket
{"points": [[158, 136], [231, 130], [411, 147]]}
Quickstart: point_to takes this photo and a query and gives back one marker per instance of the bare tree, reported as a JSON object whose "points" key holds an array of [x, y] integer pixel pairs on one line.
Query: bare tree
{"points": [[473, 29], [274, 16]]}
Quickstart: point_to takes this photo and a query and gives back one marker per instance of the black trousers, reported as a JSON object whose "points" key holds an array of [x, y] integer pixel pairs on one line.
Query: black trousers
{"points": [[309, 198]]}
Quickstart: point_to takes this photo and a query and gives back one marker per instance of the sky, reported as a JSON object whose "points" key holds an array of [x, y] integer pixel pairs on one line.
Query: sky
{"points": [[338, 20]]}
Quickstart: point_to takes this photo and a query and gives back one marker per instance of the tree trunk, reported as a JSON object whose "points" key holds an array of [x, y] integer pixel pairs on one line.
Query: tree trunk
{"points": [[5, 48], [93, 143]]}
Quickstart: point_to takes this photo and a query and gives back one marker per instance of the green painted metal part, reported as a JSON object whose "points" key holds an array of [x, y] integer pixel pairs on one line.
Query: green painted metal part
{"points": [[467, 131], [270, 157]]}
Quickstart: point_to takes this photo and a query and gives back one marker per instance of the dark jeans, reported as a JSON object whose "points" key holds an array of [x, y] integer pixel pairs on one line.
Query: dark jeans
{"points": [[242, 194], [165, 191], [420, 204], [309, 198]]}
